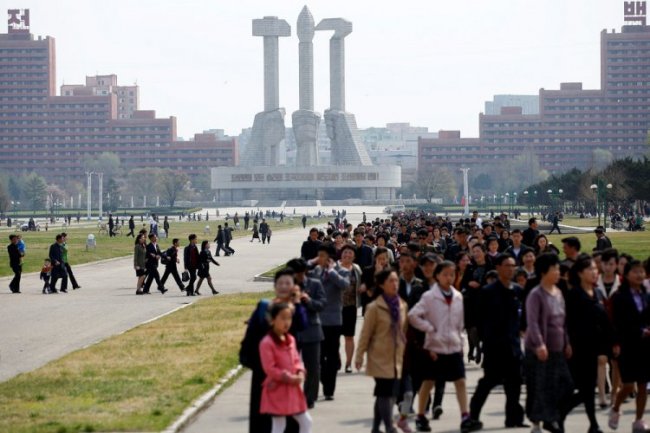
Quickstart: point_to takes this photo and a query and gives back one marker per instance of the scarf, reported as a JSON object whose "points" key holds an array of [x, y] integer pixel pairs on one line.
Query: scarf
{"points": [[394, 310]]}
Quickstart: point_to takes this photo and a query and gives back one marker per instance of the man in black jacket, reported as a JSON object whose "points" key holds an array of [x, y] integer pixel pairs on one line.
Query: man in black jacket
{"points": [[264, 230], [191, 263], [58, 265], [530, 233], [131, 227], [309, 248], [499, 327], [227, 234], [153, 255], [14, 263], [171, 259]]}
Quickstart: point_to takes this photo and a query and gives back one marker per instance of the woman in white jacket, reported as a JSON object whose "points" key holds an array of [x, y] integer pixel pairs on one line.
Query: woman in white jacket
{"points": [[440, 314]]}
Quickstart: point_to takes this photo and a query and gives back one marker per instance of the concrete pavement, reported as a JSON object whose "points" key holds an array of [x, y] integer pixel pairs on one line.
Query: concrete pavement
{"points": [[352, 409], [36, 328]]}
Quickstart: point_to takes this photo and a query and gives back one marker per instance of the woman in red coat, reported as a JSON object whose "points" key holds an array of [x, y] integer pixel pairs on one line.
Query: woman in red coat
{"points": [[282, 393]]}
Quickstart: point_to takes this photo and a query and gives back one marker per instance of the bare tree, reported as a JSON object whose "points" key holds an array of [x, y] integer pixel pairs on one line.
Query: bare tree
{"points": [[171, 184], [436, 183]]}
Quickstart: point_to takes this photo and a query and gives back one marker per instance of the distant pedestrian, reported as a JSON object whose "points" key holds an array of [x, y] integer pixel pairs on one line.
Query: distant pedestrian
{"points": [[246, 220], [131, 227], [264, 230], [58, 266], [555, 223], [268, 236], [191, 263], [46, 273], [256, 232], [205, 258], [15, 262], [140, 262], [282, 395], [171, 265], [304, 220], [602, 241], [166, 227], [68, 269], [220, 241], [153, 257], [111, 226], [227, 232]]}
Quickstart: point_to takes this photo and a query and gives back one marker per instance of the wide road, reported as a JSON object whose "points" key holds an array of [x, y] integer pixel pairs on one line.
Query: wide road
{"points": [[36, 329]]}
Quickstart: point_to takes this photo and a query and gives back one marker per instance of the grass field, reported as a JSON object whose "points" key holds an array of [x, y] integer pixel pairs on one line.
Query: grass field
{"points": [[635, 243], [38, 243], [138, 381], [581, 222]]}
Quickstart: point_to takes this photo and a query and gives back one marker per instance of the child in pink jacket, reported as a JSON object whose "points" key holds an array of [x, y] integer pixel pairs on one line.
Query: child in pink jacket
{"points": [[282, 393]]}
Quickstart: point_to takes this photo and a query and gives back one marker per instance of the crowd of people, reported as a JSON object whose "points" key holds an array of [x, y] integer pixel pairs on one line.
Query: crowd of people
{"points": [[572, 327]]}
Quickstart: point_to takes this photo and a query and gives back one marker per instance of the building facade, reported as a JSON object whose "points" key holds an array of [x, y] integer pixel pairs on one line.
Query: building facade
{"points": [[52, 135], [573, 123]]}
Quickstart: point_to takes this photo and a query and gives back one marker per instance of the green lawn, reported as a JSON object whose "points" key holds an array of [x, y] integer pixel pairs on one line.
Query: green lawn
{"points": [[635, 243], [138, 381], [38, 243], [581, 222]]}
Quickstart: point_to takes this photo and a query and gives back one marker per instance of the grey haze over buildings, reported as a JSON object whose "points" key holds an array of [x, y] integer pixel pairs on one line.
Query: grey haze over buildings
{"points": [[432, 64]]}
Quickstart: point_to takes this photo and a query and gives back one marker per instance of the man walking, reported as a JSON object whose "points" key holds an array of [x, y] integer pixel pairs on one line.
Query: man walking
{"points": [[602, 241], [304, 221], [247, 219], [191, 263], [264, 230], [58, 266], [555, 221], [220, 240], [153, 255], [66, 264], [14, 263], [171, 259], [499, 327], [228, 238], [131, 227], [111, 226]]}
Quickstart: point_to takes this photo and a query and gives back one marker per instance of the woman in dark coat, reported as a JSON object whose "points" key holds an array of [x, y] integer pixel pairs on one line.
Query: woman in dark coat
{"points": [[205, 257], [631, 317], [590, 335], [256, 232]]}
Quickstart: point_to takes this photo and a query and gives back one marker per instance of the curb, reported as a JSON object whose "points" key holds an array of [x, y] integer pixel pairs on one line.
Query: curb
{"points": [[202, 402]]}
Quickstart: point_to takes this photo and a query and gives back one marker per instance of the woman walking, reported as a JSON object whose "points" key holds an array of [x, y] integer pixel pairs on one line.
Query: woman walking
{"points": [[631, 316], [548, 381], [383, 338], [282, 395], [350, 295], [440, 314], [256, 232], [140, 262], [589, 333], [205, 257]]}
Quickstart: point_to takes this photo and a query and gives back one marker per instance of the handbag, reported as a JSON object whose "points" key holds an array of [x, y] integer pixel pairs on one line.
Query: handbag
{"points": [[186, 276]]}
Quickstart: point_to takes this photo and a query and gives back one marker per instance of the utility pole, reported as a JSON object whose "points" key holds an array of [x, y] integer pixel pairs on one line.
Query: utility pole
{"points": [[465, 191], [101, 195], [89, 175]]}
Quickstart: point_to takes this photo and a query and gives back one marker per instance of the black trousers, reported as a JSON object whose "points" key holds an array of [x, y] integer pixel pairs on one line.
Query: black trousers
{"points": [[190, 285], [584, 370], [506, 372], [311, 358], [68, 269], [555, 227], [131, 233], [152, 274], [228, 249], [14, 285], [110, 231], [220, 246], [330, 358], [263, 237], [59, 273], [172, 270]]}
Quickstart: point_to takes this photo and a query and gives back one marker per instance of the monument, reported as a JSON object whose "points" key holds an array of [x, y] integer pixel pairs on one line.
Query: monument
{"points": [[347, 148], [268, 126], [260, 176], [305, 121]]}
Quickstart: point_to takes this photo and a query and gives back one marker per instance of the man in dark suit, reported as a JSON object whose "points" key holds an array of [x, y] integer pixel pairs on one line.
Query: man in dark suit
{"points": [[516, 249], [227, 233], [153, 255], [309, 248], [131, 227], [191, 263], [171, 257], [111, 226], [530, 233], [264, 230], [58, 265], [602, 241], [364, 255], [14, 263]]}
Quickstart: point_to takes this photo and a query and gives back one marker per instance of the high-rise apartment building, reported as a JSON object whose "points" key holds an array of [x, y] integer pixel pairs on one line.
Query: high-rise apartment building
{"points": [[573, 123], [52, 135]]}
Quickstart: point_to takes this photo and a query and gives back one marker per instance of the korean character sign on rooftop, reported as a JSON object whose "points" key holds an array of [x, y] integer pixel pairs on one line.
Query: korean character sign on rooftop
{"points": [[18, 20], [635, 11]]}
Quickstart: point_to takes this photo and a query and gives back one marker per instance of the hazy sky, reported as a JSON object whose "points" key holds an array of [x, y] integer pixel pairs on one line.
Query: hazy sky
{"points": [[429, 62]]}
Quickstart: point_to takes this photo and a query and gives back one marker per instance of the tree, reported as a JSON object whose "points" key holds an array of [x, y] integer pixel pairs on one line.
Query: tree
{"points": [[35, 191], [143, 181], [482, 182], [15, 189], [601, 159], [5, 200], [112, 192], [171, 183], [107, 162], [437, 183]]}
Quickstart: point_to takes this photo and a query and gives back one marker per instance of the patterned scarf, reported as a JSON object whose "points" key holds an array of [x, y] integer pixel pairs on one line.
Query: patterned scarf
{"points": [[394, 310]]}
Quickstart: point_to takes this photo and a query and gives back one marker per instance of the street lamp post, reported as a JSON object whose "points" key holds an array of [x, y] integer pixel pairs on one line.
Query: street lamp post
{"points": [[600, 189], [89, 175], [465, 192]]}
